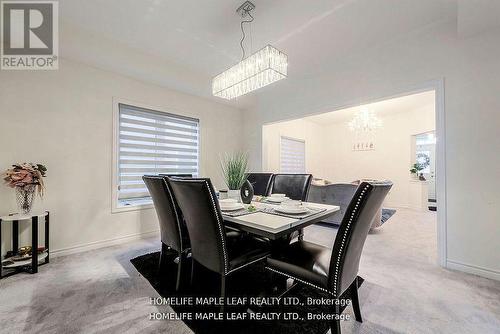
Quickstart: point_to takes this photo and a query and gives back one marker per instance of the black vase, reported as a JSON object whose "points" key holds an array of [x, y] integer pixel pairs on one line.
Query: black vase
{"points": [[246, 192]]}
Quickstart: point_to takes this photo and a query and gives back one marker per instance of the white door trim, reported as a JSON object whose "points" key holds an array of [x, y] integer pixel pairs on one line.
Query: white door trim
{"points": [[440, 176]]}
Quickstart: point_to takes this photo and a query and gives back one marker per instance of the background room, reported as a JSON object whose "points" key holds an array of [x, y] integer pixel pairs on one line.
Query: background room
{"points": [[333, 150]]}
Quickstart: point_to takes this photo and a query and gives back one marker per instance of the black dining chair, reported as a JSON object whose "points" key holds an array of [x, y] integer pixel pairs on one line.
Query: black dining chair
{"points": [[261, 183], [211, 246], [335, 271], [294, 186], [173, 231]]}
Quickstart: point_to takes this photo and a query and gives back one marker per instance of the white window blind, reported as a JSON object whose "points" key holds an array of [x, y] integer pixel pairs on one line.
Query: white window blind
{"points": [[292, 156], [151, 143]]}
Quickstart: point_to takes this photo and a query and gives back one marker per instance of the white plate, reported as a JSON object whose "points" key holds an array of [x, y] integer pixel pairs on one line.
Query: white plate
{"points": [[228, 201], [292, 203], [291, 209], [278, 195], [277, 199], [231, 207]]}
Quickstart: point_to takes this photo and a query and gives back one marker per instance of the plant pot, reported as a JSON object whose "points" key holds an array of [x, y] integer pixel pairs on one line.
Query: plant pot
{"points": [[234, 194], [25, 197], [222, 194]]}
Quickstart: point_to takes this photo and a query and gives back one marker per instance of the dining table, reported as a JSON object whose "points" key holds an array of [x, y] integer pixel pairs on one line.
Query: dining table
{"points": [[262, 219]]}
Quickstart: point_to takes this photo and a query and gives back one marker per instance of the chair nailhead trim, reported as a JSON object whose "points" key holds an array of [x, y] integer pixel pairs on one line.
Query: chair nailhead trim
{"points": [[221, 230], [300, 280], [344, 238]]}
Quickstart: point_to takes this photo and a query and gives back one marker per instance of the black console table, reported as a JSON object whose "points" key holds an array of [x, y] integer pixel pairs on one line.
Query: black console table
{"points": [[30, 265]]}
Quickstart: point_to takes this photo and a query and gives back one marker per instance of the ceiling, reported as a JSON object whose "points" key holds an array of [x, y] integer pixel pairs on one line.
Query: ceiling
{"points": [[202, 35], [382, 109], [183, 44]]}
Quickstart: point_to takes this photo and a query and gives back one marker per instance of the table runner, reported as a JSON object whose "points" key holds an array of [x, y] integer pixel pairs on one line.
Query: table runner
{"points": [[240, 212]]}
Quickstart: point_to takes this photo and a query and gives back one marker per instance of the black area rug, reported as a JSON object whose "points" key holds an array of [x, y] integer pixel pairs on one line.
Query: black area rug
{"points": [[252, 281], [386, 214]]}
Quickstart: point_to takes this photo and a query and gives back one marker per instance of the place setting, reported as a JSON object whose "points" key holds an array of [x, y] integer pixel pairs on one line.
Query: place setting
{"points": [[275, 198], [291, 208], [231, 207]]}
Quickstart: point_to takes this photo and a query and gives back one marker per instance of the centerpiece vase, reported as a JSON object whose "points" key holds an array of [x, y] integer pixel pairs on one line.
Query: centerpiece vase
{"points": [[25, 197], [234, 194], [246, 192]]}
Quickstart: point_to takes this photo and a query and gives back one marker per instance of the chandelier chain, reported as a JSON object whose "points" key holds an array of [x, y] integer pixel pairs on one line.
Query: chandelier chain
{"points": [[243, 33]]}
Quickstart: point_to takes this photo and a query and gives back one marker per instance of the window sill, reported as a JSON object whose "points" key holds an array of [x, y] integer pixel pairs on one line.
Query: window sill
{"points": [[131, 207]]}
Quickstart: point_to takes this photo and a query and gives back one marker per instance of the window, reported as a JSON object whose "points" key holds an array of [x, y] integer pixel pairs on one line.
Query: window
{"points": [[292, 156], [425, 145], [423, 159], [150, 143]]}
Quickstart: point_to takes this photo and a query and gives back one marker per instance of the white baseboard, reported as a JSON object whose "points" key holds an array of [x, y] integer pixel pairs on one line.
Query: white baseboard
{"points": [[103, 243], [471, 269], [402, 206]]}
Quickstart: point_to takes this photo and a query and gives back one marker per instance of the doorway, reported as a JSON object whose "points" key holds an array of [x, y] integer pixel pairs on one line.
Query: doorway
{"points": [[436, 175]]}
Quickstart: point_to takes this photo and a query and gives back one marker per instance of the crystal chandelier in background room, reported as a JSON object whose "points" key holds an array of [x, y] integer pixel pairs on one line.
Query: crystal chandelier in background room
{"points": [[365, 120], [260, 69], [364, 125]]}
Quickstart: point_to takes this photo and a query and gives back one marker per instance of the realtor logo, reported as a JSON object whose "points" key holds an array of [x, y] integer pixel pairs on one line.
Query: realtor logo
{"points": [[29, 35]]}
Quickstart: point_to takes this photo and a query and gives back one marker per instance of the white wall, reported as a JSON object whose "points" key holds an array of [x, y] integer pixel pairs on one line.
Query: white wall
{"points": [[310, 132], [63, 119], [391, 158], [470, 68]]}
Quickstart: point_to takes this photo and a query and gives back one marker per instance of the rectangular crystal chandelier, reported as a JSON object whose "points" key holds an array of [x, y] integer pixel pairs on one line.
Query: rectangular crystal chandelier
{"points": [[256, 71]]}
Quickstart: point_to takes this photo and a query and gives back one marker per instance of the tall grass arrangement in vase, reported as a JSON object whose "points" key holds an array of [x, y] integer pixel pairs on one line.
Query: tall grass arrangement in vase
{"points": [[234, 169]]}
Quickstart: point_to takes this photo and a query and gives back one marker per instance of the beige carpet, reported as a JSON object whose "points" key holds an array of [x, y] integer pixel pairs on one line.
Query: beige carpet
{"points": [[404, 292]]}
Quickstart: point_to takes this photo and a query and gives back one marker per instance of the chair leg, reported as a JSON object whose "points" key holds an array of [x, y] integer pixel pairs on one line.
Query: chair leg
{"points": [[278, 282], [355, 301], [192, 272], [223, 294], [179, 272], [301, 235], [335, 323], [162, 265]]}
